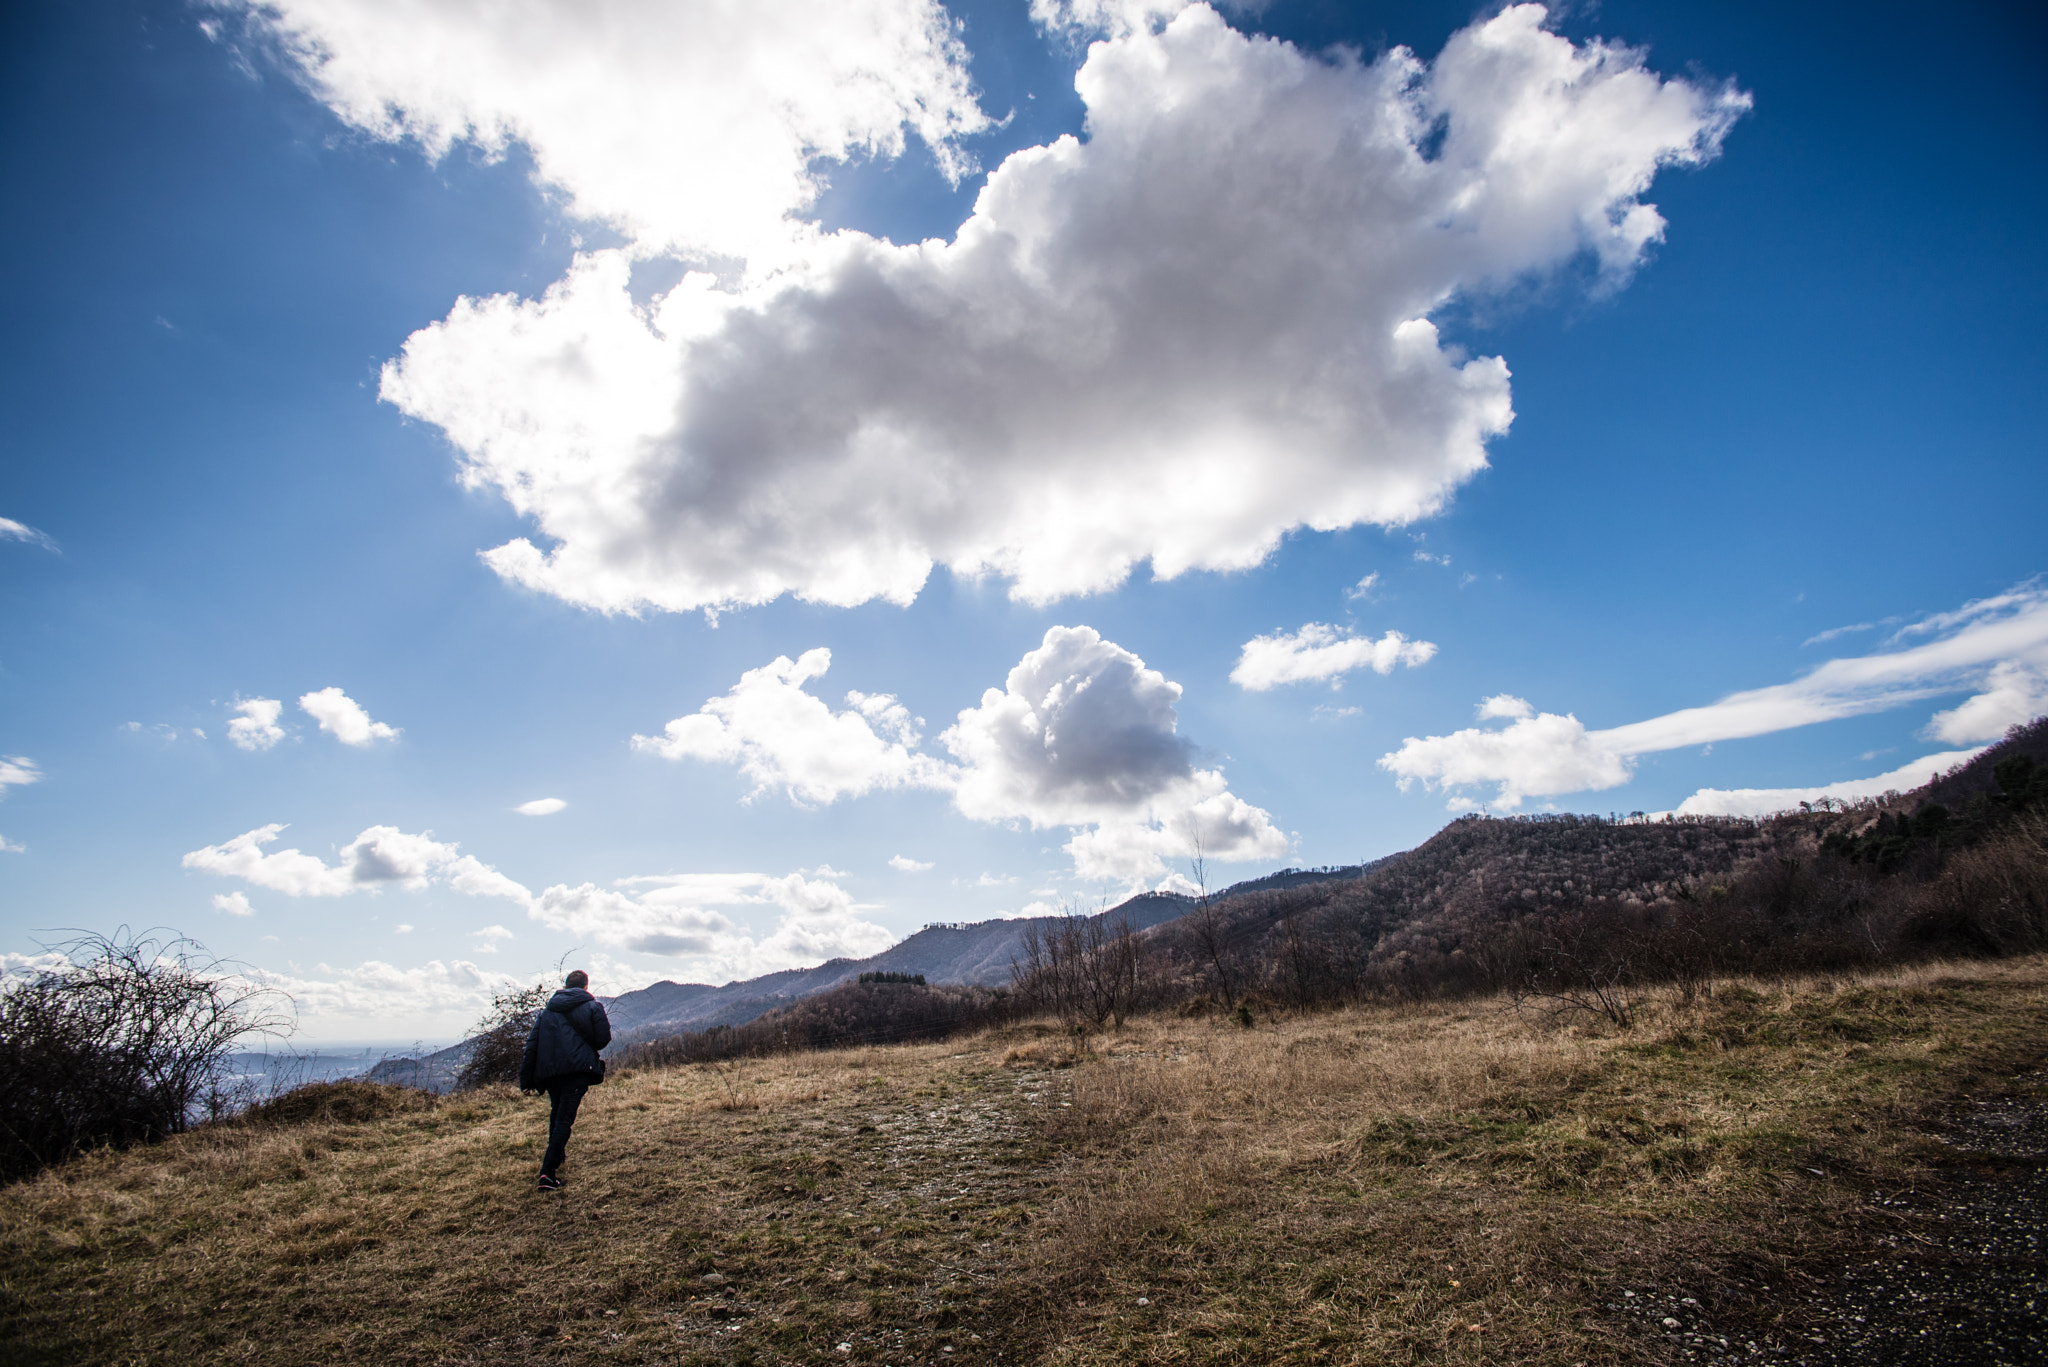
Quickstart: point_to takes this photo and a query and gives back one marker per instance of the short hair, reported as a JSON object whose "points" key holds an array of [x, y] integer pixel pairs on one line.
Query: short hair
{"points": [[577, 978]]}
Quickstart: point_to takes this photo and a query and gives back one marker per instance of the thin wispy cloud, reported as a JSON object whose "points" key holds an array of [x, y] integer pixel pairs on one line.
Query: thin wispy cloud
{"points": [[17, 771], [10, 530], [1996, 648]]}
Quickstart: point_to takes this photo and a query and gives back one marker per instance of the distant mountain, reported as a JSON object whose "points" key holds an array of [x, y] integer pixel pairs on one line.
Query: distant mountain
{"points": [[975, 954], [434, 1072]]}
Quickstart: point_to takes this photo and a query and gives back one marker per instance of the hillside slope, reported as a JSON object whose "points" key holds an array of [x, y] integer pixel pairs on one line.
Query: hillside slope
{"points": [[976, 955]]}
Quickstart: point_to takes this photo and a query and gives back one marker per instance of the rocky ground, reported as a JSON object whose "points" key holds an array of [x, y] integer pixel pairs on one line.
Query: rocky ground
{"points": [[1955, 1273]]}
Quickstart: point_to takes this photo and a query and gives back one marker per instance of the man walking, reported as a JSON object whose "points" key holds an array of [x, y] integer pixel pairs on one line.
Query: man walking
{"points": [[561, 1059]]}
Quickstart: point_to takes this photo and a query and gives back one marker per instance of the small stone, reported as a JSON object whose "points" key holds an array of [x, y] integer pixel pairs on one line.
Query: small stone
{"points": [[713, 1279], [1670, 1323], [1475, 1328], [843, 1348], [1144, 1300]]}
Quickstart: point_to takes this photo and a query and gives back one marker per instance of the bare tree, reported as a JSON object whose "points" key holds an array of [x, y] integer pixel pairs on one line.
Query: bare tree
{"points": [[128, 1039], [1107, 961], [1205, 925]]}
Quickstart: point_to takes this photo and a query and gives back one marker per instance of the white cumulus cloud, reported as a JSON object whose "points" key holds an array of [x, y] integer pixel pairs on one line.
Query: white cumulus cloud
{"points": [[676, 915], [679, 915], [1318, 652], [254, 727], [345, 1000], [905, 864], [784, 737], [380, 856], [541, 806], [1083, 734], [1205, 325], [686, 127], [344, 718], [233, 903], [1997, 647]]}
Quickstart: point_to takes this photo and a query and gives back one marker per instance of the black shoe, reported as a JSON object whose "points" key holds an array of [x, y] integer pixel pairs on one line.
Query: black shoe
{"points": [[550, 1182]]}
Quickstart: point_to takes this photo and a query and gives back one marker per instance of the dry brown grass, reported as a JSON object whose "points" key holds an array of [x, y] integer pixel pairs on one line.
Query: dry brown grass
{"points": [[1450, 1183]]}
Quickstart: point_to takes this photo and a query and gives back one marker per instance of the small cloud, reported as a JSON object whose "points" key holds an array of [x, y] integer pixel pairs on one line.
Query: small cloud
{"points": [[403, 930], [541, 806], [1424, 557], [903, 864], [10, 530], [1504, 705], [1180, 883], [1325, 712], [256, 727], [163, 731], [17, 771], [233, 903], [1363, 589], [1318, 652], [487, 939], [11, 847], [992, 880], [344, 718]]}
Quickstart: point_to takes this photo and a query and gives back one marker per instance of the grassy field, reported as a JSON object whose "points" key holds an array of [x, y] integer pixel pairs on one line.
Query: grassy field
{"points": [[1446, 1183]]}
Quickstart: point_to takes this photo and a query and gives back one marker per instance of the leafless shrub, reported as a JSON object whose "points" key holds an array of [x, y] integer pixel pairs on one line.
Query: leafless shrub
{"points": [[1083, 969], [128, 1040], [500, 1038]]}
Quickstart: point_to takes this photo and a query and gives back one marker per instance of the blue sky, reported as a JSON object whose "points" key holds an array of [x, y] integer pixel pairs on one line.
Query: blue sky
{"points": [[1720, 470]]}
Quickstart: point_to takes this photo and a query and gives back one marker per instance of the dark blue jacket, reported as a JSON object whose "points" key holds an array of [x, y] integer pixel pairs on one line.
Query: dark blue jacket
{"points": [[557, 1048]]}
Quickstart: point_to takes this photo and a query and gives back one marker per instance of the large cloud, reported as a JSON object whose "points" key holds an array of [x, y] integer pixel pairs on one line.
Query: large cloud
{"points": [[688, 127], [1201, 327], [783, 737], [1995, 647]]}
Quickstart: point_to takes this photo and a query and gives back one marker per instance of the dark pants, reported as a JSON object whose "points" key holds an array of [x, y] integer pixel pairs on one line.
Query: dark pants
{"points": [[565, 1094]]}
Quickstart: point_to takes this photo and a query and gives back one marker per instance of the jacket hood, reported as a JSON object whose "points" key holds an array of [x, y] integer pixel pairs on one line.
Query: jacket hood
{"points": [[568, 999]]}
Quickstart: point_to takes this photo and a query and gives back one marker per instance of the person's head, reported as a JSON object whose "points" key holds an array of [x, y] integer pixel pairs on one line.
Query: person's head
{"points": [[577, 978]]}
